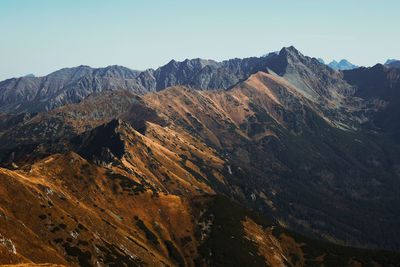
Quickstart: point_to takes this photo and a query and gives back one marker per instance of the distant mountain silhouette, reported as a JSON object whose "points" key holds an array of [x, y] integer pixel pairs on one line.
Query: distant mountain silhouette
{"points": [[342, 65], [393, 63]]}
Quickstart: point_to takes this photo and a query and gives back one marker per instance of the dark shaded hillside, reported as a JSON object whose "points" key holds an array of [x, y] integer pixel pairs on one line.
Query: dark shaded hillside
{"points": [[7, 121], [379, 84], [73, 119], [232, 221], [378, 81]]}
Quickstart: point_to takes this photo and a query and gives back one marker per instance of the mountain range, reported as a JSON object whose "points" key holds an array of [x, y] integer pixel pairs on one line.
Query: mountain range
{"points": [[341, 65], [37, 94], [272, 161]]}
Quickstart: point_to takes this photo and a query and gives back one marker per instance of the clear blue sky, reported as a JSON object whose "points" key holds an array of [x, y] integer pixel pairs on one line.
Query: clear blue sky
{"points": [[40, 36]]}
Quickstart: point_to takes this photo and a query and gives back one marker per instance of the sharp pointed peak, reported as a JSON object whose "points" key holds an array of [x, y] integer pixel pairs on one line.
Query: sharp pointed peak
{"points": [[343, 61], [172, 61], [289, 49], [290, 52]]}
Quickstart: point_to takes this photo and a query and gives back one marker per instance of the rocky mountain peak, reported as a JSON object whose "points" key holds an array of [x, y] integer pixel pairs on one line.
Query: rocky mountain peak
{"points": [[115, 71], [290, 51], [288, 57], [291, 55], [71, 73]]}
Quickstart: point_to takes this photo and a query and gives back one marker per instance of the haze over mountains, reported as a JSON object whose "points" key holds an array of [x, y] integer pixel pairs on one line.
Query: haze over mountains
{"points": [[168, 166], [341, 65]]}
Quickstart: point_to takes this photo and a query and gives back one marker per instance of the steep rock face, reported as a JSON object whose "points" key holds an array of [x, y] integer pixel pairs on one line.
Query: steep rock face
{"points": [[314, 79], [102, 145], [178, 73]]}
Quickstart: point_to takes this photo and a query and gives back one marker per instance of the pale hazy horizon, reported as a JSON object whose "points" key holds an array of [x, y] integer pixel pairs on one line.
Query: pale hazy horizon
{"points": [[43, 36]]}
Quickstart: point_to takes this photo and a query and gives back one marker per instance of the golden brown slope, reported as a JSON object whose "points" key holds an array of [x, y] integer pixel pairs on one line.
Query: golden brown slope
{"points": [[76, 213], [269, 93], [33, 265]]}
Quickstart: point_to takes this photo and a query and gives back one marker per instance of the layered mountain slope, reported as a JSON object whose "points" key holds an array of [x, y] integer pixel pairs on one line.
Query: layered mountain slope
{"points": [[380, 87]]}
